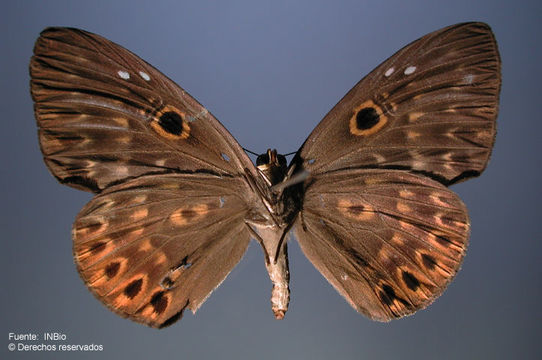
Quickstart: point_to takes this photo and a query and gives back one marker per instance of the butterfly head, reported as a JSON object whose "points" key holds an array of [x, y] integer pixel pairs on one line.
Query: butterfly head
{"points": [[272, 166]]}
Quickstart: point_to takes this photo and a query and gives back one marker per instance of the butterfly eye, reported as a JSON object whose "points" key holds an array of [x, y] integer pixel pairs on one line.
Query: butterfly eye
{"points": [[262, 159]]}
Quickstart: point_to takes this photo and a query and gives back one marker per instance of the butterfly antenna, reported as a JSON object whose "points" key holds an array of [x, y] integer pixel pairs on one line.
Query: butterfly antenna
{"points": [[251, 152]]}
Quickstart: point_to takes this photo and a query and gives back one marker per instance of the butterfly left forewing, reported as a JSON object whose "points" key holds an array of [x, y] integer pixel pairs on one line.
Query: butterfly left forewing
{"points": [[153, 246], [389, 241]]}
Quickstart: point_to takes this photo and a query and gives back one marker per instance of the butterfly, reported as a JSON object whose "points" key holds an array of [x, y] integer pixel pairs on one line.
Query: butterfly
{"points": [[178, 199]]}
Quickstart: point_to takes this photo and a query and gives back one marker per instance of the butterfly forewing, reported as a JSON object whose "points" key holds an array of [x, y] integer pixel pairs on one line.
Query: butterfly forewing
{"points": [[430, 108], [105, 115], [152, 246]]}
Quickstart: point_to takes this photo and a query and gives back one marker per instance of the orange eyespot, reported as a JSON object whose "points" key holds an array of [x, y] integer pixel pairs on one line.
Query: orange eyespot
{"points": [[367, 119]]}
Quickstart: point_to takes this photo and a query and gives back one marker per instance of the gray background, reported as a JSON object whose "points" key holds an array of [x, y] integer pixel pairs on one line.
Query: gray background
{"points": [[270, 73]]}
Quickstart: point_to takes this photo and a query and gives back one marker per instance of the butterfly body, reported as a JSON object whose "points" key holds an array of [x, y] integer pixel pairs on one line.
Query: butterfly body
{"points": [[177, 200]]}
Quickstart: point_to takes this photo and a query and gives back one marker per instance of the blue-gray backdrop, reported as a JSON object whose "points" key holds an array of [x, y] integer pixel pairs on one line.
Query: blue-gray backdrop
{"points": [[270, 71]]}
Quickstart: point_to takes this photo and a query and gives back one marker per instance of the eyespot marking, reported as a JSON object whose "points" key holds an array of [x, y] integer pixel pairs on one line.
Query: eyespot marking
{"points": [[389, 297], [145, 76], [428, 261], [409, 70], [97, 247], [356, 211], [411, 281], [123, 74], [132, 289], [368, 118], [185, 215], [112, 269], [171, 124], [159, 302]]}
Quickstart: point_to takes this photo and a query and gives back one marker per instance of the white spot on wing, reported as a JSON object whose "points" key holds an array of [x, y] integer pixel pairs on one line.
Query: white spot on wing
{"points": [[225, 157], [222, 201], [389, 72], [344, 277], [144, 75], [469, 79], [123, 74], [409, 70]]}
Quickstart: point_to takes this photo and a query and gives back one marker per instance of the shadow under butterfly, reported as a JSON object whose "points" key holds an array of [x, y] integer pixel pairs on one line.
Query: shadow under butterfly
{"points": [[178, 200]]}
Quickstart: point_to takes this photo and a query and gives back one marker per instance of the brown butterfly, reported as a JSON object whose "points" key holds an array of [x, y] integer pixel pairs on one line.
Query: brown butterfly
{"points": [[177, 199]]}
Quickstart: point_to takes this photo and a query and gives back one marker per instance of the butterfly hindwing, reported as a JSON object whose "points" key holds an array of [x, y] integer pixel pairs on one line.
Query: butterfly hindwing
{"points": [[104, 115], [152, 246], [389, 241]]}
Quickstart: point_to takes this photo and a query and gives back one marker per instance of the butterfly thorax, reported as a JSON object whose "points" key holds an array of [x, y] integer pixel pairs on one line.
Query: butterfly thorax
{"points": [[280, 194]]}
